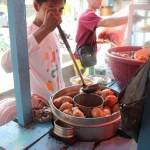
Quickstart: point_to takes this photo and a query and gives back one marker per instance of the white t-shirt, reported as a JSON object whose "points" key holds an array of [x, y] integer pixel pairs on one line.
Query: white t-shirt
{"points": [[44, 62]]}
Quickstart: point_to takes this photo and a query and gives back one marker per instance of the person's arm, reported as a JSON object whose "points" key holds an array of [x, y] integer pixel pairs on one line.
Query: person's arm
{"points": [[113, 21], [6, 58], [51, 21], [6, 62], [41, 33]]}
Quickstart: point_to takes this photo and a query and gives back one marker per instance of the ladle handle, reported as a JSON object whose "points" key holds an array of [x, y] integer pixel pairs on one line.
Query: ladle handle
{"points": [[62, 34]]}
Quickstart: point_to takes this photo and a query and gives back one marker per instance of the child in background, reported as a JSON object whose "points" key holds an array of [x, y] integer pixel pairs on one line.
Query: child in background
{"points": [[44, 61]]}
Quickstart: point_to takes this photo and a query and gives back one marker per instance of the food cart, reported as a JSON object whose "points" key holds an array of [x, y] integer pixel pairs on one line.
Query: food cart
{"points": [[26, 134]]}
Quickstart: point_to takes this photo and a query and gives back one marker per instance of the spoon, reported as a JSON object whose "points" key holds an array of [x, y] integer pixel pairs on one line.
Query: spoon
{"points": [[85, 88], [63, 36]]}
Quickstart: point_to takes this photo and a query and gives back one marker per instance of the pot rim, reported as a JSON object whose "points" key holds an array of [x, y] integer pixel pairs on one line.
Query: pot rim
{"points": [[123, 49]]}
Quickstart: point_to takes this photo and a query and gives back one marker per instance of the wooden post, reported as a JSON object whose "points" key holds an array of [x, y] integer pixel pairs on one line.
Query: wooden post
{"points": [[19, 53]]}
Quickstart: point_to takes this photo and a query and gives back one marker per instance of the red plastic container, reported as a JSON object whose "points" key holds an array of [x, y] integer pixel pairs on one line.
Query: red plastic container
{"points": [[123, 69]]}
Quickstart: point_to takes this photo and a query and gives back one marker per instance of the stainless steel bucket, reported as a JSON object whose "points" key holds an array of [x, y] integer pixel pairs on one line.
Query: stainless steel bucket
{"points": [[87, 129]]}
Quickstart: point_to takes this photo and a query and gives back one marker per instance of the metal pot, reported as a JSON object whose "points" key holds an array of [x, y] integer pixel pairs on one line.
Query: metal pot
{"points": [[94, 100], [89, 129]]}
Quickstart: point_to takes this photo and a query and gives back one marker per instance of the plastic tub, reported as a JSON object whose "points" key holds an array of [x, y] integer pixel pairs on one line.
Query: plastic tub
{"points": [[123, 69]]}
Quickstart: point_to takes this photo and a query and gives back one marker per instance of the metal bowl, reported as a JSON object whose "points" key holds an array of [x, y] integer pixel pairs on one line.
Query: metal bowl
{"points": [[86, 102], [87, 129], [76, 80]]}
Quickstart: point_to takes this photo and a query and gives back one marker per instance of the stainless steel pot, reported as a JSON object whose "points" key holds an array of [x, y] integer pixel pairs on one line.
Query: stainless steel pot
{"points": [[89, 129]]}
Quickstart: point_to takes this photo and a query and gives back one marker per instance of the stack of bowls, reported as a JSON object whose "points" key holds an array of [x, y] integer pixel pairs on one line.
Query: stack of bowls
{"points": [[63, 130]]}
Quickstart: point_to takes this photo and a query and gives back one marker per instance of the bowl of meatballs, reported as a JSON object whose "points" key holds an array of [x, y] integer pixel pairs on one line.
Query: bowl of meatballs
{"points": [[94, 116]]}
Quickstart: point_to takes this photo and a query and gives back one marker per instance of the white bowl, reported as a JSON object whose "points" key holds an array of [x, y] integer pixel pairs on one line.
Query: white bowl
{"points": [[92, 79], [75, 80]]}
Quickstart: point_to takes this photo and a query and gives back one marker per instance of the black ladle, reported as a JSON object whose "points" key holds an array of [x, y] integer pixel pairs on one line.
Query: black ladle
{"points": [[85, 88]]}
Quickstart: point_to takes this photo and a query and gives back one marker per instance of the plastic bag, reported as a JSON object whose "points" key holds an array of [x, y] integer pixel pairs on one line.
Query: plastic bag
{"points": [[87, 55], [132, 100]]}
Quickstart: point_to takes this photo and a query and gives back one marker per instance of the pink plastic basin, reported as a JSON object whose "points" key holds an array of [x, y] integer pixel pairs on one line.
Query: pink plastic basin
{"points": [[122, 68]]}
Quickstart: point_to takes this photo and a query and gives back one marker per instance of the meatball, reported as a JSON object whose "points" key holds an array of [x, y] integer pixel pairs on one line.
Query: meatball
{"points": [[106, 92], [60, 100], [66, 99], [65, 105], [111, 100], [57, 102], [97, 112], [107, 110], [68, 111], [77, 112]]}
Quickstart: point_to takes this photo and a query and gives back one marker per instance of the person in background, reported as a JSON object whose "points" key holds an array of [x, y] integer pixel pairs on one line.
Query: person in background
{"points": [[116, 35], [44, 61], [89, 21]]}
